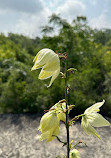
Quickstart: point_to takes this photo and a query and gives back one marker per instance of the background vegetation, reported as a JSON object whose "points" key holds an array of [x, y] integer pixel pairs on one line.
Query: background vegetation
{"points": [[89, 52]]}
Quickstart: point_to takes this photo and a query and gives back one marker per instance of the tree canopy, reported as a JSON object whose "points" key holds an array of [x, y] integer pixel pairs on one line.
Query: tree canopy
{"points": [[89, 51]]}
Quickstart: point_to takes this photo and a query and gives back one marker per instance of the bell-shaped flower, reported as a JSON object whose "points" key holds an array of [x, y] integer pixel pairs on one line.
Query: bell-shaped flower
{"points": [[49, 126], [60, 108], [92, 118], [49, 61], [74, 154]]}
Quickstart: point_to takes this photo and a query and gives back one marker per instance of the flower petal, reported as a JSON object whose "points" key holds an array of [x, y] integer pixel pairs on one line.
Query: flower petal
{"points": [[61, 116], [44, 56], [44, 135], [94, 108], [36, 66], [44, 74], [48, 121], [98, 120], [88, 128], [49, 126], [53, 134], [53, 64], [55, 74]]}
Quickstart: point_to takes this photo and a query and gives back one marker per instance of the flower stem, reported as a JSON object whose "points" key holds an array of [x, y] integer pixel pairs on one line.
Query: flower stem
{"points": [[67, 115], [79, 143], [77, 117]]}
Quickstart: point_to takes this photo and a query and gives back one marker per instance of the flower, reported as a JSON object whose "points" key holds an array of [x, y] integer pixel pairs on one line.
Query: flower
{"points": [[49, 126], [74, 153], [60, 108], [49, 61], [92, 119]]}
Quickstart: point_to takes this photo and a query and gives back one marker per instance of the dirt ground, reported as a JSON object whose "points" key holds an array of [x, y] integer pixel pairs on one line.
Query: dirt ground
{"points": [[19, 138]]}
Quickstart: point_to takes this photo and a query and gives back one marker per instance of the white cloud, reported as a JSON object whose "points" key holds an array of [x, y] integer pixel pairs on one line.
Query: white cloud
{"points": [[29, 25], [53, 4], [102, 21], [23, 22], [27, 16], [93, 2], [2, 12], [28, 6], [71, 8]]}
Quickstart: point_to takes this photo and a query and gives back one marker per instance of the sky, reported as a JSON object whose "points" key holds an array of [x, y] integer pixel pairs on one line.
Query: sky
{"points": [[28, 16]]}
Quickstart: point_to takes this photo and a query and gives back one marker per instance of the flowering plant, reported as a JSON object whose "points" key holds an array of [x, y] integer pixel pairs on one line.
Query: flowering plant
{"points": [[49, 61]]}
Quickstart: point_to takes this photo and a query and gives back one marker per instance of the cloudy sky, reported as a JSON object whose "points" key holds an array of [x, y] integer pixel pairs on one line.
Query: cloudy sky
{"points": [[27, 16]]}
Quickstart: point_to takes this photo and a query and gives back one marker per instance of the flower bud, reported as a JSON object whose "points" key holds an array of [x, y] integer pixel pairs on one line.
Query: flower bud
{"points": [[74, 153]]}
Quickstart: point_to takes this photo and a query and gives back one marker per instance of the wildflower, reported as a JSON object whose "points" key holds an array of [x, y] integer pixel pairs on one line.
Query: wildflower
{"points": [[92, 119], [74, 153], [49, 61], [60, 108], [49, 126]]}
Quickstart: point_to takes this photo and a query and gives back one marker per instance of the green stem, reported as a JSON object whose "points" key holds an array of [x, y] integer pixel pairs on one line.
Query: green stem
{"points": [[60, 140], [77, 117], [78, 143], [67, 115]]}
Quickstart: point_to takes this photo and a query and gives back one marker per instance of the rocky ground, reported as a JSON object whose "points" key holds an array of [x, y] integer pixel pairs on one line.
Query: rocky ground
{"points": [[19, 138]]}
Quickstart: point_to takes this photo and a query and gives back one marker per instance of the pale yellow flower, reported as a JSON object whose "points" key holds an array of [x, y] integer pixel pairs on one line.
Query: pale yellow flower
{"points": [[49, 126], [60, 110], [92, 119], [49, 61], [74, 153]]}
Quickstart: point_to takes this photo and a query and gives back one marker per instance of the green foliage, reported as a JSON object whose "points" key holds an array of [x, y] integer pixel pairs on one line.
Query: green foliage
{"points": [[18, 85], [89, 51]]}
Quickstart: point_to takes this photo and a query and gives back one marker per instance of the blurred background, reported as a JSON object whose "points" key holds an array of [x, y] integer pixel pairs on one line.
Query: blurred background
{"points": [[81, 28]]}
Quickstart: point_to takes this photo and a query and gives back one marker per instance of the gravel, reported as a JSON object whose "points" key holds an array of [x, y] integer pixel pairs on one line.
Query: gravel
{"points": [[19, 138]]}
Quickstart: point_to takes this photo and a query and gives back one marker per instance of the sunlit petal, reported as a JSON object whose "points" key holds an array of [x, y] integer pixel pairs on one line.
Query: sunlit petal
{"points": [[88, 128], [95, 107], [92, 118], [49, 61], [98, 120], [55, 74], [53, 134], [44, 75], [61, 116], [49, 126]]}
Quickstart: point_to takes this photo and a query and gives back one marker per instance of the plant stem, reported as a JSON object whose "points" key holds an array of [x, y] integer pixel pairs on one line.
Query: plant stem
{"points": [[79, 143], [67, 115], [77, 117]]}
